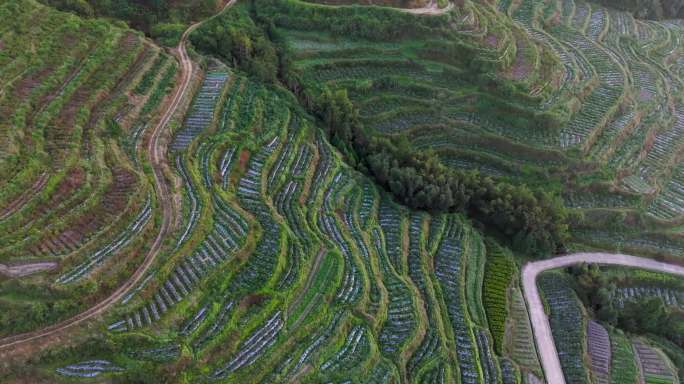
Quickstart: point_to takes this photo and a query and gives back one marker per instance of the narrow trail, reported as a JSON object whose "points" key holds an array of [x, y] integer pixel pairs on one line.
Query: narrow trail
{"points": [[540, 322], [157, 156], [25, 269]]}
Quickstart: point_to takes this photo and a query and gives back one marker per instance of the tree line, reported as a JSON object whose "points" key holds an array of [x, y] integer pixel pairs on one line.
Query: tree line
{"points": [[533, 221], [148, 16]]}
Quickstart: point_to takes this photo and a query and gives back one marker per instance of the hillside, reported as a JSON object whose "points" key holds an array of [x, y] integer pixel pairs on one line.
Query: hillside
{"points": [[74, 191], [586, 101], [240, 212]]}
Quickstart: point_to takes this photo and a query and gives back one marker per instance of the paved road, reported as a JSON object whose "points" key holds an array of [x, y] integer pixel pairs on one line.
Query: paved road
{"points": [[540, 322], [157, 154]]}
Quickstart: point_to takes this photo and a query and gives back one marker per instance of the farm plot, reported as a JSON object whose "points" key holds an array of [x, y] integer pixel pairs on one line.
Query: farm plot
{"points": [[401, 318], [449, 270], [665, 146], [351, 222], [390, 220], [351, 281], [518, 336], [567, 325], [202, 112], [355, 348], [499, 271], [226, 237], [253, 347], [108, 250], [653, 364], [669, 204], [671, 297], [623, 364], [599, 350], [259, 268]]}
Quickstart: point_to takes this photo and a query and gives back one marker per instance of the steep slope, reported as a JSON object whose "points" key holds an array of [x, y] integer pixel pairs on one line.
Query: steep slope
{"points": [[76, 99]]}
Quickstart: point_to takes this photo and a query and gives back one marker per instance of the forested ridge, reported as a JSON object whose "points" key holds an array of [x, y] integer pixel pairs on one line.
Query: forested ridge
{"points": [[162, 19], [533, 221]]}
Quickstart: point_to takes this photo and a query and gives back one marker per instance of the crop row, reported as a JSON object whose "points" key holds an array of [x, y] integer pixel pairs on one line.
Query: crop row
{"points": [[355, 347], [252, 348], [599, 350], [195, 201], [488, 360], [498, 274], [390, 220], [202, 112], [671, 297], [401, 317], [449, 271], [90, 368], [225, 165], [114, 246], [567, 325]]}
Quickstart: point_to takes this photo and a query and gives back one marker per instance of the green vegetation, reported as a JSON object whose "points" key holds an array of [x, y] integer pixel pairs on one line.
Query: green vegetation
{"points": [[148, 16], [499, 272], [649, 9], [533, 221], [623, 365], [354, 189], [615, 297], [71, 196]]}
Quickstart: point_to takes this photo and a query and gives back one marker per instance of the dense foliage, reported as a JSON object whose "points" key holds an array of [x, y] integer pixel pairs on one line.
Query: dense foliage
{"points": [[643, 315], [235, 37], [140, 14], [649, 9]]}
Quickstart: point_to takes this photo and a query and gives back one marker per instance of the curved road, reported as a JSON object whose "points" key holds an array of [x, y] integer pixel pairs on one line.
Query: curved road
{"points": [[540, 322], [157, 154]]}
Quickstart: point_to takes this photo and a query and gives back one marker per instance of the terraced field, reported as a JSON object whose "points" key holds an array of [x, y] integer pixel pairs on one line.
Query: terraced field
{"points": [[71, 196], [606, 84], [283, 261], [279, 274]]}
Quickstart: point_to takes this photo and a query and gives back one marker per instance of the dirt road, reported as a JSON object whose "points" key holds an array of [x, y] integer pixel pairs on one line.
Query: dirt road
{"points": [[540, 322], [25, 269]]}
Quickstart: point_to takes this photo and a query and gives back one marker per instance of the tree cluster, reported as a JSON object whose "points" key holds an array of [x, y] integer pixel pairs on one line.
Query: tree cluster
{"points": [[645, 315], [236, 38], [534, 221]]}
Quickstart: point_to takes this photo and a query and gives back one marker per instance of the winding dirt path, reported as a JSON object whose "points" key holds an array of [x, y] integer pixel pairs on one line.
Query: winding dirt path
{"points": [[25, 269], [431, 9], [157, 155], [540, 322]]}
